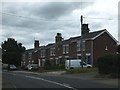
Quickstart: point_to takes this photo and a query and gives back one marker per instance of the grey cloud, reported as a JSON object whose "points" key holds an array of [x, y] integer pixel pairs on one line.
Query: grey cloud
{"points": [[37, 10], [57, 9], [46, 19]]}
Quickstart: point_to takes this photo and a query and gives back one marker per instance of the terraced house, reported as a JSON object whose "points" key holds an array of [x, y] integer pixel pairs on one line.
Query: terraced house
{"points": [[95, 44]]}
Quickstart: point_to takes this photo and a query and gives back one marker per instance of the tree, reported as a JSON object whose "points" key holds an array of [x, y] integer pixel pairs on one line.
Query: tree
{"points": [[12, 52], [118, 49]]}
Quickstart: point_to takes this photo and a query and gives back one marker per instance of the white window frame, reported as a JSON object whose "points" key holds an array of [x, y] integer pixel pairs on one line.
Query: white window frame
{"points": [[83, 45], [43, 53], [52, 51], [30, 55], [78, 46], [65, 49], [57, 62]]}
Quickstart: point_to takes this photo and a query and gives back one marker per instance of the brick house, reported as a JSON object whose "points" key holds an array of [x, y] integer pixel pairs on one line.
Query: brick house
{"points": [[95, 44]]}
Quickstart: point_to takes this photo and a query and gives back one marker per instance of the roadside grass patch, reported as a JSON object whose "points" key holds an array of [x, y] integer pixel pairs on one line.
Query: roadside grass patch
{"points": [[81, 70], [51, 68]]}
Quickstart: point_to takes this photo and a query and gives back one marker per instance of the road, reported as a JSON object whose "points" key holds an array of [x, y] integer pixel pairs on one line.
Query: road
{"points": [[17, 79]]}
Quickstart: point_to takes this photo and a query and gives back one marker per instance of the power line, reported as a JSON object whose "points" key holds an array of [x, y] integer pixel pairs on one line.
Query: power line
{"points": [[100, 18], [35, 19], [25, 17]]}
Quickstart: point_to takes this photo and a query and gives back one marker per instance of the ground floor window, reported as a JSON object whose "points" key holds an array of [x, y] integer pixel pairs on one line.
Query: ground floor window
{"points": [[59, 61], [43, 62]]}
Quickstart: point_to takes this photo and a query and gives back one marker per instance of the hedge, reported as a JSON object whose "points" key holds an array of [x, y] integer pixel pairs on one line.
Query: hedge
{"points": [[55, 67], [109, 64]]}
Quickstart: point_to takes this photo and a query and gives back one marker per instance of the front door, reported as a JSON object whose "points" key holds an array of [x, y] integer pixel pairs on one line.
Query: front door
{"points": [[88, 60]]}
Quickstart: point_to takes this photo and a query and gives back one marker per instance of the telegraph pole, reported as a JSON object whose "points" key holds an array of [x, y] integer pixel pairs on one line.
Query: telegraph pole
{"points": [[81, 41]]}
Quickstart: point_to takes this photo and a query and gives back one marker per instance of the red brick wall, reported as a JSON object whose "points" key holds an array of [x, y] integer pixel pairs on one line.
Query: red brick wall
{"points": [[88, 46], [100, 44], [58, 51], [36, 57], [73, 50]]}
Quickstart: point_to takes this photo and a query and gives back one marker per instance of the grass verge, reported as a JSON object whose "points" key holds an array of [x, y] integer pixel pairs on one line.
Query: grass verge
{"points": [[81, 70]]}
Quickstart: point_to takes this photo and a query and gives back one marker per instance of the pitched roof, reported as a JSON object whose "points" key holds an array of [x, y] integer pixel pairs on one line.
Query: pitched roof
{"points": [[88, 36], [34, 49]]}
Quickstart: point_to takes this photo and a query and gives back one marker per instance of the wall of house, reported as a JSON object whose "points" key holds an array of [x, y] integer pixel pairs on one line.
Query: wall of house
{"points": [[58, 51], [58, 54], [36, 56], [93, 52], [73, 50], [88, 46], [89, 52], [103, 45]]}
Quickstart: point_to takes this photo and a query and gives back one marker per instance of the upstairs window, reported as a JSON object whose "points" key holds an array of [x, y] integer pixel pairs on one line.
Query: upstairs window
{"points": [[42, 53], [52, 51], [83, 45], [78, 46], [65, 49], [30, 55]]}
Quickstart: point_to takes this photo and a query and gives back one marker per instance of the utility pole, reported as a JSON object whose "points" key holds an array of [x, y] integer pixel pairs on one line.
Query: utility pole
{"points": [[81, 41]]}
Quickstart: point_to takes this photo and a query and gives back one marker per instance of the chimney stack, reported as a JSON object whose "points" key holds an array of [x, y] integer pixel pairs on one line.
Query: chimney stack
{"points": [[36, 44], [85, 29], [58, 38]]}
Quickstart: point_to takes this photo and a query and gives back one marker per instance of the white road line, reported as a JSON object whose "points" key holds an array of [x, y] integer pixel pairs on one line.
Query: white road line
{"points": [[64, 84]]}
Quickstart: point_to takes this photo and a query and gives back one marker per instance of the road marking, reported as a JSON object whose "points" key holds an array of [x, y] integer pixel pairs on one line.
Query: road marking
{"points": [[64, 84]]}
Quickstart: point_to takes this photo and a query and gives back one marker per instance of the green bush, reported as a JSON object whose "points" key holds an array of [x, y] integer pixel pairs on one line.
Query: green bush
{"points": [[56, 67], [109, 64], [81, 70]]}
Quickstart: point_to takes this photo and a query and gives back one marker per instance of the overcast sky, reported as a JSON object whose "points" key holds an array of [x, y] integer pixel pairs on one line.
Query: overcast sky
{"points": [[26, 21]]}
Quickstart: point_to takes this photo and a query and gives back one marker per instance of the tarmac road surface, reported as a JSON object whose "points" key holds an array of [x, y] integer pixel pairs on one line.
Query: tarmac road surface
{"points": [[34, 81]]}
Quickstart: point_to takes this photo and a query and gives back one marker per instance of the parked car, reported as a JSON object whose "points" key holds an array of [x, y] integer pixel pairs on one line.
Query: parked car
{"points": [[31, 67], [75, 63], [12, 67]]}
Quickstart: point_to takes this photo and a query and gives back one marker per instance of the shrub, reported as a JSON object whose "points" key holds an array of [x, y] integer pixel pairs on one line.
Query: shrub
{"points": [[81, 70], [109, 64], [55, 67]]}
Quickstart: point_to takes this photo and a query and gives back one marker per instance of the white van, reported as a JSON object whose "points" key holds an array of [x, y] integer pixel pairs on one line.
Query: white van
{"points": [[75, 63]]}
